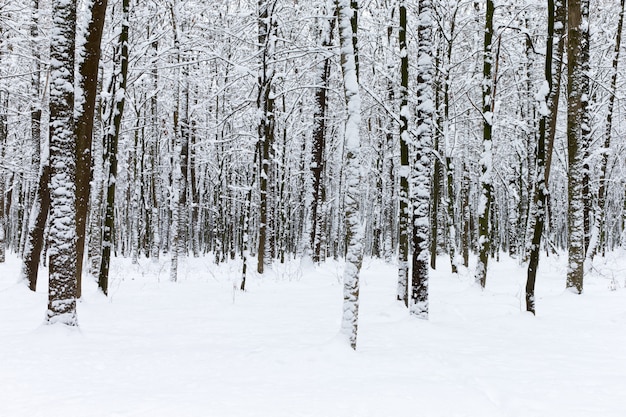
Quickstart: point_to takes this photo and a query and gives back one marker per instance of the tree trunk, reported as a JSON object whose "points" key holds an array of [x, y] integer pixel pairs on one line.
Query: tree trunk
{"points": [[422, 164], [486, 187], [319, 140], [403, 194], [265, 104], [354, 254], [88, 70], [62, 251], [575, 221], [117, 91], [538, 213]]}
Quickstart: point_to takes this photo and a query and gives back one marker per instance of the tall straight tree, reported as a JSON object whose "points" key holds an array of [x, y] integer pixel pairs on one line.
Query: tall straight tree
{"points": [[486, 162], [62, 251], [420, 197], [88, 70], [4, 133], [115, 110], [575, 215], [548, 104], [327, 25], [265, 104], [354, 253], [41, 199], [403, 194]]}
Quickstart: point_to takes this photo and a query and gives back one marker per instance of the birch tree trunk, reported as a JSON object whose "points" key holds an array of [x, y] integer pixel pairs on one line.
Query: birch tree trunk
{"points": [[420, 197], [486, 187], [354, 254]]}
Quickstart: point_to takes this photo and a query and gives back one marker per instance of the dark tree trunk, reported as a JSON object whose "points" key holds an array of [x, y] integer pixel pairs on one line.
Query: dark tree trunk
{"points": [[484, 203], [403, 221], [548, 107], [114, 121], [84, 129], [319, 142]]}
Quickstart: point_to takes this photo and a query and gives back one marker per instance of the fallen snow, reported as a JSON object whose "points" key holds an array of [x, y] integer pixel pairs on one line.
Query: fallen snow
{"points": [[200, 348]]}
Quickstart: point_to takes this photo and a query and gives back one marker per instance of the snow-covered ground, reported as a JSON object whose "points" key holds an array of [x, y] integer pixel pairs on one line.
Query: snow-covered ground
{"points": [[199, 348]]}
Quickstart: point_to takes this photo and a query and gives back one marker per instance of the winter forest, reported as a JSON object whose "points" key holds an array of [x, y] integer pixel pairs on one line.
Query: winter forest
{"points": [[278, 197]]}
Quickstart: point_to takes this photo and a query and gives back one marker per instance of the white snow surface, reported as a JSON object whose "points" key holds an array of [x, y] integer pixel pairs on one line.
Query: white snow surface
{"points": [[199, 348]]}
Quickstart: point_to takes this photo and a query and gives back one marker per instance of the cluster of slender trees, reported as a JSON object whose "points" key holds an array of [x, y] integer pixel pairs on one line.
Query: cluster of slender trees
{"points": [[262, 130]]}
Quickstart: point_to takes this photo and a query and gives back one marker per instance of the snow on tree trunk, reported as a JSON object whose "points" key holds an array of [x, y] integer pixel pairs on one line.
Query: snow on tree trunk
{"points": [[117, 90], [420, 197], [62, 251], [575, 216], [546, 105], [265, 105], [354, 253], [403, 194], [319, 140], [486, 186], [41, 197], [3, 142]]}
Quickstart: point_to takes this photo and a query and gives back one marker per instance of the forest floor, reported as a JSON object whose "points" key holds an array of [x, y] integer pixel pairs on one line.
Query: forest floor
{"points": [[199, 348]]}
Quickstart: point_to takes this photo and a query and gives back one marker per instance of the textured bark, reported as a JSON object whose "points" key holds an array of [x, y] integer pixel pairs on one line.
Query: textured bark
{"points": [[403, 194], [88, 70], [354, 253], [245, 227], [575, 220], [155, 221], [62, 251], [3, 141], [176, 175], [450, 215], [547, 107], [437, 178], [585, 122], [485, 197], [38, 217], [420, 198], [465, 216], [450, 194], [114, 123], [265, 104], [319, 141]]}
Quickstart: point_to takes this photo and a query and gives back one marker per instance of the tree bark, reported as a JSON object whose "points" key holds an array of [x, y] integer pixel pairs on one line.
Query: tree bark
{"points": [[486, 187], [354, 254], [403, 194], [575, 221], [114, 123], [88, 71], [422, 162], [62, 251]]}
